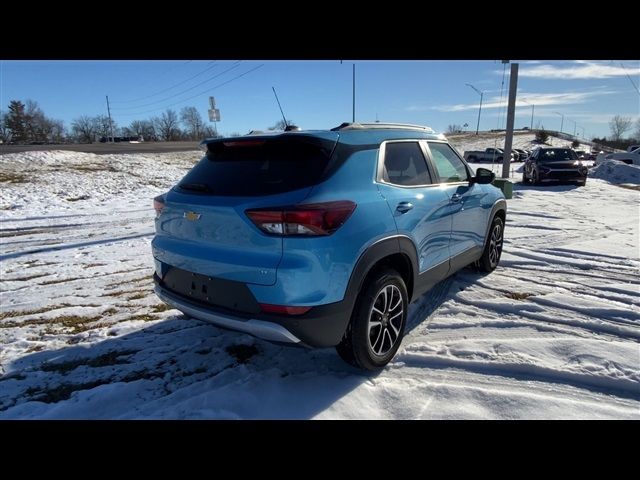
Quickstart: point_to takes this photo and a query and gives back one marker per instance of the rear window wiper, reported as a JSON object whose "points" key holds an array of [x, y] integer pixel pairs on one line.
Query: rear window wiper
{"points": [[196, 187]]}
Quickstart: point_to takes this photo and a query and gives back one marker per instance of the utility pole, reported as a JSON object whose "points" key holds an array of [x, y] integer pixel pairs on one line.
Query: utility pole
{"points": [[562, 121], [480, 109], [110, 122], [354, 93], [532, 109], [511, 115]]}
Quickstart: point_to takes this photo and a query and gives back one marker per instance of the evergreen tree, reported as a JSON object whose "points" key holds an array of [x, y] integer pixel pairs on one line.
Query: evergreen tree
{"points": [[16, 121]]}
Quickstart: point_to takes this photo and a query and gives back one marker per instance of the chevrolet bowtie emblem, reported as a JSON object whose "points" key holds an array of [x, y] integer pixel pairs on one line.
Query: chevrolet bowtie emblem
{"points": [[193, 216]]}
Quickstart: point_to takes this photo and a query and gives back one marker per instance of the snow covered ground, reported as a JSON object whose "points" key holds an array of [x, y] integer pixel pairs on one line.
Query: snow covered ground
{"points": [[553, 333]]}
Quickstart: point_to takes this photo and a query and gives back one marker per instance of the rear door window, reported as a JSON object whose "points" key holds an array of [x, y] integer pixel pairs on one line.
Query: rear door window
{"points": [[404, 164], [258, 167]]}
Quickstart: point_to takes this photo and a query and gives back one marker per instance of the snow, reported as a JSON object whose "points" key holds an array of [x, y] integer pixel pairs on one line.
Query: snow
{"points": [[614, 171], [552, 333]]}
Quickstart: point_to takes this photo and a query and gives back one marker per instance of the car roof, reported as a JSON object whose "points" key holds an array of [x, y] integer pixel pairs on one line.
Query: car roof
{"points": [[350, 133]]}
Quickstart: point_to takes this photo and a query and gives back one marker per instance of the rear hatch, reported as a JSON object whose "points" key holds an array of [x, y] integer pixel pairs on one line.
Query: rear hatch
{"points": [[203, 227]]}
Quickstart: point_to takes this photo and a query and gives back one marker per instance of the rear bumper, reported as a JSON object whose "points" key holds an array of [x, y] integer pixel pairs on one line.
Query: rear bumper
{"points": [[258, 328], [322, 326]]}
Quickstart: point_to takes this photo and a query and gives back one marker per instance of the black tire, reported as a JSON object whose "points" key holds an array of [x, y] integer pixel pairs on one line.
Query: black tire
{"points": [[525, 179], [472, 159], [536, 178], [581, 184], [360, 341], [499, 160], [493, 248]]}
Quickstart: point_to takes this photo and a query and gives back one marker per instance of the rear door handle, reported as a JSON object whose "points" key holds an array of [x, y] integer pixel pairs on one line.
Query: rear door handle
{"points": [[455, 198], [404, 207]]}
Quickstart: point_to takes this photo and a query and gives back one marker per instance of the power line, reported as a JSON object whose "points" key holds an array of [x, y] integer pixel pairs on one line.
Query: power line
{"points": [[237, 64], [196, 95], [162, 74], [625, 72], [500, 108], [173, 86]]}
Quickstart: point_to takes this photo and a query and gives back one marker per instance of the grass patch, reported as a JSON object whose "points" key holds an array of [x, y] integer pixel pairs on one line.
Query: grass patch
{"points": [[34, 263], [23, 313], [119, 293], [93, 168], [11, 177], [76, 323], [61, 392], [161, 307], [75, 199], [138, 295], [242, 353], [24, 279], [22, 233], [63, 280], [105, 360], [518, 295], [145, 317]]}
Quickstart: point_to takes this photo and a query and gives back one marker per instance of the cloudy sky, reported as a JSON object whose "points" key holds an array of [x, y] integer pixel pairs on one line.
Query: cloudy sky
{"points": [[580, 96]]}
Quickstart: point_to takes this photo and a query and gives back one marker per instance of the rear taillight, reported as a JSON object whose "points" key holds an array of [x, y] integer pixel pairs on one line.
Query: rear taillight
{"points": [[283, 309], [310, 219], [158, 204]]}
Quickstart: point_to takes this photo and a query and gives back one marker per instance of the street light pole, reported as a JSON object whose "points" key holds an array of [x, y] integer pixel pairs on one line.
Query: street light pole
{"points": [[479, 109], [532, 109], [562, 121]]}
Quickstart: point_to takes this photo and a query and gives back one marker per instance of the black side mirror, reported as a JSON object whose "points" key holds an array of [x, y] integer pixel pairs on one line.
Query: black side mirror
{"points": [[483, 176]]}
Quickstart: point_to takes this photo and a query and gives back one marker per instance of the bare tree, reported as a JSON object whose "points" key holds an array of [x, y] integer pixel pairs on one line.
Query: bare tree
{"points": [[193, 122], [210, 132], [636, 134], [57, 131], [619, 125], [143, 129], [84, 128], [105, 126], [280, 125], [454, 128], [167, 125]]}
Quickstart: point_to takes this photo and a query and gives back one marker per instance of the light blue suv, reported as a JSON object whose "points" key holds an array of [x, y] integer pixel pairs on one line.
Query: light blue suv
{"points": [[323, 238]]}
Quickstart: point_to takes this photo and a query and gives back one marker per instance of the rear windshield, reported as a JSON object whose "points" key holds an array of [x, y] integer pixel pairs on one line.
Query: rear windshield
{"points": [[258, 167], [557, 154]]}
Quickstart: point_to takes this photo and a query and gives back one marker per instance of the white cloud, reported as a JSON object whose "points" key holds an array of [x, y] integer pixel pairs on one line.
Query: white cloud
{"points": [[523, 100], [578, 70]]}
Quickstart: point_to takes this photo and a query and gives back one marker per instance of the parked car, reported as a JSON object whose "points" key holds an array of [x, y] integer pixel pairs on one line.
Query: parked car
{"points": [[554, 165], [522, 154], [630, 158], [323, 238], [488, 155], [631, 148]]}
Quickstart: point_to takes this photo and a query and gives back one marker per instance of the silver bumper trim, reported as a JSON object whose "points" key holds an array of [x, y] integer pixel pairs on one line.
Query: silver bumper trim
{"points": [[258, 328]]}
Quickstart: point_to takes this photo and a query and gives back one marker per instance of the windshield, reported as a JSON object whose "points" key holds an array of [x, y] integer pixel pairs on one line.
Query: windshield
{"points": [[556, 155]]}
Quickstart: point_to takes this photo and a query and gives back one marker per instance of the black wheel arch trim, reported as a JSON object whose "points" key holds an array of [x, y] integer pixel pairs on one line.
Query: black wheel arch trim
{"points": [[499, 205], [375, 253]]}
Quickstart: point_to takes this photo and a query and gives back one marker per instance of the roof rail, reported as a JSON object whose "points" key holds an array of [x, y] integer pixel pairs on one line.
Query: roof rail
{"points": [[403, 126]]}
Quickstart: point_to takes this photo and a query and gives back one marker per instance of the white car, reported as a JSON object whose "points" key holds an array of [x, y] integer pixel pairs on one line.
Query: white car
{"points": [[630, 158]]}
